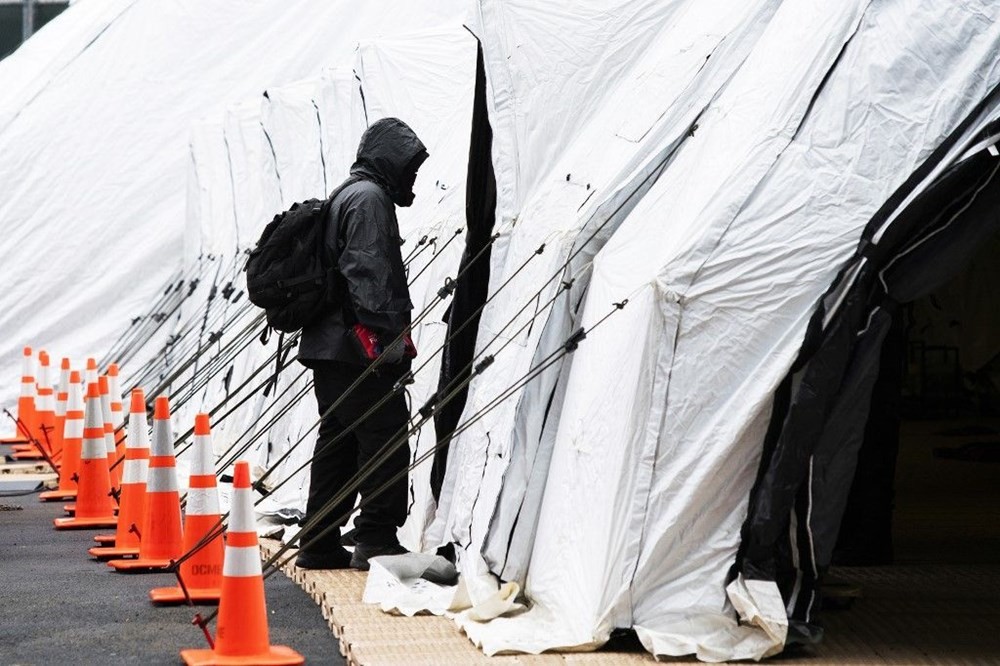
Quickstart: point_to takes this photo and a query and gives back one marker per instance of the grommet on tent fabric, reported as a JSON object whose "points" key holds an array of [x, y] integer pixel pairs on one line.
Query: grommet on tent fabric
{"points": [[72, 443], [242, 636], [25, 403], [160, 538], [94, 505], [131, 507], [202, 572]]}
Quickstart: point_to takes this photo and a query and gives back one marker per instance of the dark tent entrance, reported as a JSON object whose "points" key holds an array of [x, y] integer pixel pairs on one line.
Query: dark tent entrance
{"points": [[842, 471], [927, 484], [915, 572]]}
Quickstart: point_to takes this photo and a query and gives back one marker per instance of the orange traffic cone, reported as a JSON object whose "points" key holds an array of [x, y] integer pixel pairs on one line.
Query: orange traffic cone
{"points": [[133, 497], [114, 469], [109, 432], [160, 535], [117, 412], [90, 377], [45, 417], [202, 572], [94, 504], [45, 408], [72, 443], [65, 370], [242, 636], [25, 429], [62, 396]]}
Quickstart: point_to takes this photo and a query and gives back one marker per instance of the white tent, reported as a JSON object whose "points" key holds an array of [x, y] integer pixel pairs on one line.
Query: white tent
{"points": [[96, 145], [685, 180], [640, 465], [30, 69]]}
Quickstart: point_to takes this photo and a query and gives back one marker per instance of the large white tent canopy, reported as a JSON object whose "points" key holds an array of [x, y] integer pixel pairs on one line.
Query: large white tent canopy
{"points": [[681, 180], [723, 262], [97, 145]]}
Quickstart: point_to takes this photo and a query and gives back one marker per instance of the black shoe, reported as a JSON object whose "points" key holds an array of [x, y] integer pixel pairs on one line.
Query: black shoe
{"points": [[338, 558], [363, 553]]}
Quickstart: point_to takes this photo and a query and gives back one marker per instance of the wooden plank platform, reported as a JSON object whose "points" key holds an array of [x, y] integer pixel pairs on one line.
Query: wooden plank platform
{"points": [[929, 614], [369, 637], [938, 605]]}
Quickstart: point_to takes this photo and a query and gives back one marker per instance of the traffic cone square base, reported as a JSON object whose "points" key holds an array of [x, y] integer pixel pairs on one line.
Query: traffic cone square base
{"points": [[277, 655], [110, 552], [56, 495], [139, 565], [85, 523], [13, 440], [175, 595], [105, 539]]}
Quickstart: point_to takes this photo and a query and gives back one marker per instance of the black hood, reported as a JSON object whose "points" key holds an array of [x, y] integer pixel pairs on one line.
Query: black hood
{"points": [[390, 154]]}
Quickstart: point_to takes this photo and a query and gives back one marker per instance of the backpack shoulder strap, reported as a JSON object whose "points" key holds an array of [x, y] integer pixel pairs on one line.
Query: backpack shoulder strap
{"points": [[336, 285]]}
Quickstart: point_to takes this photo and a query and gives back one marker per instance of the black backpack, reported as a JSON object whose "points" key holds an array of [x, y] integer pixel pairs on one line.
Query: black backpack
{"points": [[290, 274]]}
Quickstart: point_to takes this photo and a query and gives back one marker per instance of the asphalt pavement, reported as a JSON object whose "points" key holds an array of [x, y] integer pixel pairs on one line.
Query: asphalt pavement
{"points": [[59, 606]]}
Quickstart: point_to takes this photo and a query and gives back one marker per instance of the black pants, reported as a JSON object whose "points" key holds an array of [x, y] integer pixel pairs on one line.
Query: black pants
{"points": [[335, 465]]}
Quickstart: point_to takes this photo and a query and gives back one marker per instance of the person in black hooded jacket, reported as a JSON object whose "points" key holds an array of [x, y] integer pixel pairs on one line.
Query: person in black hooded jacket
{"points": [[364, 244]]}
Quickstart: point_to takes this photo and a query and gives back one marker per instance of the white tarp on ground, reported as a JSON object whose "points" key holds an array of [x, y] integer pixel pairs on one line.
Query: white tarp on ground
{"points": [[98, 156]]}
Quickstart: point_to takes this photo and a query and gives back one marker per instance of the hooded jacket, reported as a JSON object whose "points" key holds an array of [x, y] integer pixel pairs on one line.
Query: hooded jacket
{"points": [[362, 238]]}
